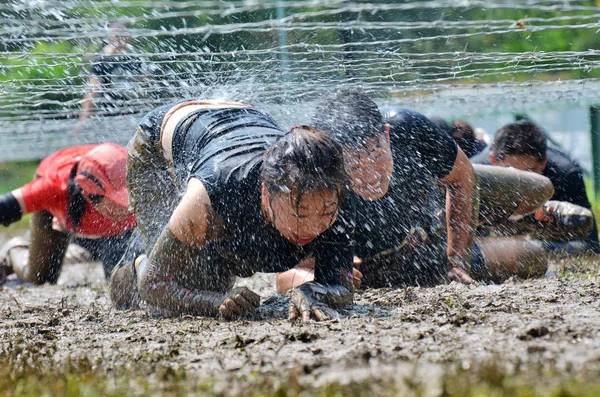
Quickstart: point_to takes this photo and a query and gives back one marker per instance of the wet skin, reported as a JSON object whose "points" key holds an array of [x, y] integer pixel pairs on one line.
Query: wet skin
{"points": [[370, 167], [300, 222]]}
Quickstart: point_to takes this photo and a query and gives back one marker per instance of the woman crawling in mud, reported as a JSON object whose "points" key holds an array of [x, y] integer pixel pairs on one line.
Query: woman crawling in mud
{"points": [[396, 161], [79, 192], [220, 191]]}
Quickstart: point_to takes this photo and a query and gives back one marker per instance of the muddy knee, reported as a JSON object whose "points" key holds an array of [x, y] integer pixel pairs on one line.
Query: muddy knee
{"points": [[123, 287], [533, 260], [507, 257]]}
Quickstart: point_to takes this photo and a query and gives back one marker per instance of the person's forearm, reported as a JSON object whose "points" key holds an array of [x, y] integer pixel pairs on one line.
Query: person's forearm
{"points": [[158, 286], [87, 106], [459, 210]]}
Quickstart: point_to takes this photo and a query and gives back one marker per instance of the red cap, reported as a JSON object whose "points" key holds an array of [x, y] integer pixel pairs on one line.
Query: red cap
{"points": [[102, 172]]}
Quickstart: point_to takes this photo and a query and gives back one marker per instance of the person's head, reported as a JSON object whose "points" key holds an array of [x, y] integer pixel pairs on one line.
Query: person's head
{"points": [[354, 121], [303, 183], [462, 130], [520, 145], [117, 37], [100, 179]]}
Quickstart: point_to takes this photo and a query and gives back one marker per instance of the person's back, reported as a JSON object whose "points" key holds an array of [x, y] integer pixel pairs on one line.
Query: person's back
{"points": [[49, 191]]}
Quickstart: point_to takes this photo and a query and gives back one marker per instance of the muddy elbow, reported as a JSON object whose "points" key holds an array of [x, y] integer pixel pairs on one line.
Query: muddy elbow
{"points": [[536, 191], [123, 288]]}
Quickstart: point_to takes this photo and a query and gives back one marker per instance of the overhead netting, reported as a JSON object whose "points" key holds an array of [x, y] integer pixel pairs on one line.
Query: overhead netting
{"points": [[454, 58]]}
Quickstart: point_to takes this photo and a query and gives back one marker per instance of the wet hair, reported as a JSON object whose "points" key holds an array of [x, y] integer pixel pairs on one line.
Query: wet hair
{"points": [[75, 201], [350, 117], [304, 160], [462, 130], [521, 138], [464, 136], [443, 125]]}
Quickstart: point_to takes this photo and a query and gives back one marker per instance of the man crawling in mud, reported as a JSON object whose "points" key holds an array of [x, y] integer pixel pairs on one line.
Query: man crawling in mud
{"points": [[395, 162], [219, 191], [523, 145]]}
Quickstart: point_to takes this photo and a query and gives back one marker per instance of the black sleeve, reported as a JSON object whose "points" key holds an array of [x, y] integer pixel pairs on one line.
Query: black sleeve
{"points": [[335, 248], [100, 67], [419, 144], [571, 188], [10, 210], [441, 150]]}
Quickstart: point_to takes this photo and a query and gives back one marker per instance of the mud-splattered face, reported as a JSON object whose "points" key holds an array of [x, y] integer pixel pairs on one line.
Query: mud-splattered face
{"points": [[301, 222], [370, 167], [521, 162]]}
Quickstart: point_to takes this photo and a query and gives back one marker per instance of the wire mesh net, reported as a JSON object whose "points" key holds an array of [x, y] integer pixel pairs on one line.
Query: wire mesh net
{"points": [[452, 58]]}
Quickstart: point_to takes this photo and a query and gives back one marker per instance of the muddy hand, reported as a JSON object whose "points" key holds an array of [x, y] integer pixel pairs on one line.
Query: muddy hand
{"points": [[307, 300], [239, 300], [565, 214]]}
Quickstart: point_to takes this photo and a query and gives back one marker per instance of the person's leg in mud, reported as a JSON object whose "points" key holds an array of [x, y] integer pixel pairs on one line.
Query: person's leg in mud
{"points": [[123, 278], [107, 250], [152, 196], [46, 252], [503, 257], [153, 192]]}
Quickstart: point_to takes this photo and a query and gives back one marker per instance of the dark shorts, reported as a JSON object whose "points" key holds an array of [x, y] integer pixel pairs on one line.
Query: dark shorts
{"points": [[107, 250]]}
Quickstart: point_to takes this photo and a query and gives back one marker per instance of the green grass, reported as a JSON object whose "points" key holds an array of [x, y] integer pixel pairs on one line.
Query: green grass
{"points": [[15, 174], [12, 176]]}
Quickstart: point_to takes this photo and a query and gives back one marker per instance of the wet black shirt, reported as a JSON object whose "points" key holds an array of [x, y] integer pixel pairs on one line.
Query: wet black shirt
{"points": [[566, 176], [224, 149], [471, 147], [118, 74], [422, 154]]}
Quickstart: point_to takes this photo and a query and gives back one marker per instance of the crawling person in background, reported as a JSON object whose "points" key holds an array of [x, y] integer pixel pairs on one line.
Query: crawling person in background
{"points": [[78, 192], [523, 145], [219, 191], [395, 164], [114, 78]]}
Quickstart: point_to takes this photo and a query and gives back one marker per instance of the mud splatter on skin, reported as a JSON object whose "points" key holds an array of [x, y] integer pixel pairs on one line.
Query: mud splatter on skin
{"points": [[547, 323]]}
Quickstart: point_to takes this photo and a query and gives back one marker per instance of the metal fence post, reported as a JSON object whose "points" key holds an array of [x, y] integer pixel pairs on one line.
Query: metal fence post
{"points": [[595, 131]]}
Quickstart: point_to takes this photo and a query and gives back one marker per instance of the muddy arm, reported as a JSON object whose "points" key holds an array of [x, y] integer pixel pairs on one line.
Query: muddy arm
{"points": [[181, 274], [159, 275], [176, 257], [460, 184], [554, 221]]}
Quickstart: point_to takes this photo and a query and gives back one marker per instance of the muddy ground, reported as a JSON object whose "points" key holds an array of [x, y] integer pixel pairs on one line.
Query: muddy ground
{"points": [[388, 334]]}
